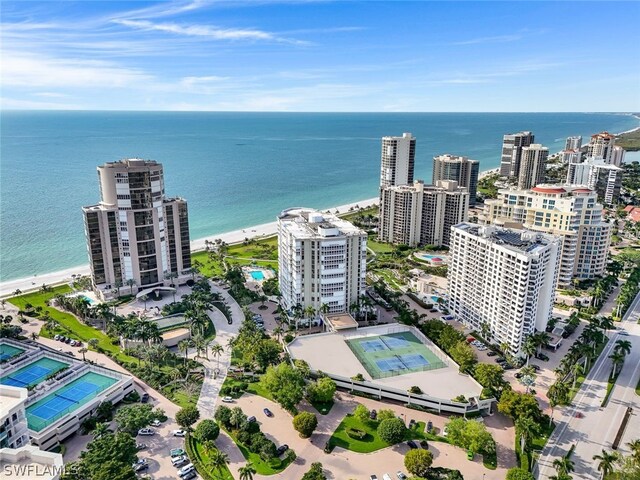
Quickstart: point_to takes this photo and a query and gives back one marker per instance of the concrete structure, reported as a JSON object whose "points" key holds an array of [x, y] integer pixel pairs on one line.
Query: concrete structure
{"points": [[322, 260], [439, 386], [421, 214], [573, 143], [503, 278], [512, 144], [67, 422], [136, 233], [568, 211], [13, 421], [596, 174], [29, 462], [532, 166], [461, 169], [617, 156], [397, 160], [601, 145], [571, 156]]}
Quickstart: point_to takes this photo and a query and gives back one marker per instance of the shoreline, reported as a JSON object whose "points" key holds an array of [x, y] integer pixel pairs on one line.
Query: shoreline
{"points": [[34, 282]]}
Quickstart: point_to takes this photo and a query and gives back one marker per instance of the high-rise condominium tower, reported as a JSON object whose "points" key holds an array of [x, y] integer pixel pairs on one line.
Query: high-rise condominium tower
{"points": [[136, 237], [598, 175], [397, 160], [601, 145], [461, 169], [502, 278], [322, 260], [569, 211], [512, 151], [533, 164], [573, 143], [421, 214]]}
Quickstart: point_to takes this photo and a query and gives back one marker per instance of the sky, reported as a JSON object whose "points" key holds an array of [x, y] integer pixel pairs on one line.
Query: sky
{"points": [[218, 55]]}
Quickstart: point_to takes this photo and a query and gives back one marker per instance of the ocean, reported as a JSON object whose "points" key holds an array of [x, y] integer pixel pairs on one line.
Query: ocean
{"points": [[235, 169]]}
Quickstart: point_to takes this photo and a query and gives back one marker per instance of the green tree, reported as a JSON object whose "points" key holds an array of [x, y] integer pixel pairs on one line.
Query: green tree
{"points": [[516, 405], [470, 435], [392, 430], [519, 474], [247, 472], [206, 430], [267, 353], [564, 465], [187, 416], [109, 454], [606, 462], [217, 460], [132, 418], [285, 384], [305, 423], [315, 472], [491, 377], [361, 413], [418, 462], [321, 390], [464, 356], [223, 416]]}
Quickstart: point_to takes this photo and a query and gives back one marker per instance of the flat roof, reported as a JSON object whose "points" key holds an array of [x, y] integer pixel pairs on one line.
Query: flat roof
{"points": [[174, 333], [341, 321], [29, 462], [10, 398], [329, 353]]}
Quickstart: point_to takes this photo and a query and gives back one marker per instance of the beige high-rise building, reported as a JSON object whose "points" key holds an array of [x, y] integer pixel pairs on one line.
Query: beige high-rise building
{"points": [[461, 169], [601, 145], [533, 164], [568, 211], [573, 143], [136, 234], [512, 145], [397, 160], [421, 214], [322, 260], [502, 278]]}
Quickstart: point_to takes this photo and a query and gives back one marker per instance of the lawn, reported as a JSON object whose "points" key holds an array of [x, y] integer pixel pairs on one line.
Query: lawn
{"points": [[610, 384], [350, 216], [69, 324], [198, 456], [262, 468], [389, 278], [378, 247], [257, 389], [372, 441], [322, 407], [265, 249]]}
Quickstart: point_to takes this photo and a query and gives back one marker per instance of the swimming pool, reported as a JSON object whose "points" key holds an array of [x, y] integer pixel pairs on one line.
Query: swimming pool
{"points": [[257, 275], [66, 399], [33, 373], [433, 258], [9, 351], [435, 298]]}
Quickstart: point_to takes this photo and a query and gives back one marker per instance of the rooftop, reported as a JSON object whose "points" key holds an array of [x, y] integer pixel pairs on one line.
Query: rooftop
{"points": [[10, 398], [521, 241], [340, 321], [29, 462], [311, 223]]}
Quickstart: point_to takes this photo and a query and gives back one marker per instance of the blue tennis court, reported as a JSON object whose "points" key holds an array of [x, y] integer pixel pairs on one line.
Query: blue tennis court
{"points": [[9, 351], [66, 399], [394, 342], [414, 360], [33, 373], [390, 364], [374, 345]]}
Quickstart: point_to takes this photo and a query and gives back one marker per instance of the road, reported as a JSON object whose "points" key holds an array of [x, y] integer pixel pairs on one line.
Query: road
{"points": [[599, 426]]}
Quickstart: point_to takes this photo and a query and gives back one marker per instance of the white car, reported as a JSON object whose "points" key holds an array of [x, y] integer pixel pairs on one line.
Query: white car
{"points": [[227, 399], [186, 470], [444, 432], [156, 423], [146, 431], [179, 433], [179, 461], [386, 476]]}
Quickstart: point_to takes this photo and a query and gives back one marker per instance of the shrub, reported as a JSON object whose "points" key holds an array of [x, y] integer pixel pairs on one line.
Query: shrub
{"points": [[356, 433], [519, 474], [361, 413], [223, 416], [322, 390], [417, 462], [244, 437], [315, 472], [415, 390], [207, 430], [305, 423], [288, 338], [384, 414], [392, 430]]}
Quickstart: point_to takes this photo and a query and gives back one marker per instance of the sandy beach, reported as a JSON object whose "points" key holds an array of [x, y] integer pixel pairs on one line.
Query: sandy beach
{"points": [[236, 236]]}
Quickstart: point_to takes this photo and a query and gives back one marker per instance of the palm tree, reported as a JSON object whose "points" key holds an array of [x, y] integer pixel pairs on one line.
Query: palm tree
{"points": [[278, 331], [623, 346], [83, 350], [100, 430], [526, 428], [217, 350], [310, 311], [529, 347], [51, 324], [563, 465], [634, 446], [131, 283], [576, 371], [617, 359], [541, 339], [217, 460], [144, 298], [606, 461], [558, 393], [247, 472], [93, 343]]}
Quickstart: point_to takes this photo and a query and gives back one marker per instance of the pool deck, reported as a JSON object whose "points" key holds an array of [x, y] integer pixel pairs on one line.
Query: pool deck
{"points": [[329, 352]]}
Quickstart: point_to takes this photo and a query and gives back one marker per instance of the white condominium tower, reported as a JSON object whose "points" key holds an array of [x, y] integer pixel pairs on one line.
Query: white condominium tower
{"points": [[421, 214], [502, 278], [461, 169], [322, 260], [601, 145], [512, 151], [397, 160], [136, 234], [573, 143], [568, 211], [533, 163], [598, 175]]}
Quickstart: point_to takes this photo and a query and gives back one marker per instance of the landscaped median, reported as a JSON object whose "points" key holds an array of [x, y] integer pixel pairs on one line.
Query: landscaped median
{"points": [[201, 459]]}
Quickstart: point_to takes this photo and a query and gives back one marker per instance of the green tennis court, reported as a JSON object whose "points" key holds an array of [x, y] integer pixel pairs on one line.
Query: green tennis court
{"points": [[7, 352], [33, 373], [394, 354]]}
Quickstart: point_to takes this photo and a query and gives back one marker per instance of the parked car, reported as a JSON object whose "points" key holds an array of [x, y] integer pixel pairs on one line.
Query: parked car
{"points": [[624, 333], [429, 426], [177, 452], [401, 476], [140, 467], [268, 412], [144, 398], [179, 433], [251, 419], [187, 469], [542, 356], [227, 399], [189, 476], [412, 445], [281, 449], [179, 461], [491, 354], [156, 423], [146, 431], [535, 367], [386, 476], [506, 366], [373, 477], [518, 375], [57, 337], [469, 455], [141, 446], [434, 310]]}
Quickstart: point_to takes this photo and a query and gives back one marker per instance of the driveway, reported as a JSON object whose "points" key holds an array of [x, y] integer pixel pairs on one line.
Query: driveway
{"points": [[343, 464]]}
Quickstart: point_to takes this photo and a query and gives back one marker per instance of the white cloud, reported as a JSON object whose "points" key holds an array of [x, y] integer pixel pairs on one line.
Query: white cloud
{"points": [[12, 103]]}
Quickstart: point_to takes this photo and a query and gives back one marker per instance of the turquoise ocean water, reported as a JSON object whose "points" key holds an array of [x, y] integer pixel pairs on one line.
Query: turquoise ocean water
{"points": [[235, 169]]}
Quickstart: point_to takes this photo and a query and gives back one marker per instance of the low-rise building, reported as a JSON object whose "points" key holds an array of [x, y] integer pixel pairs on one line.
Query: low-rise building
{"points": [[30, 463]]}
